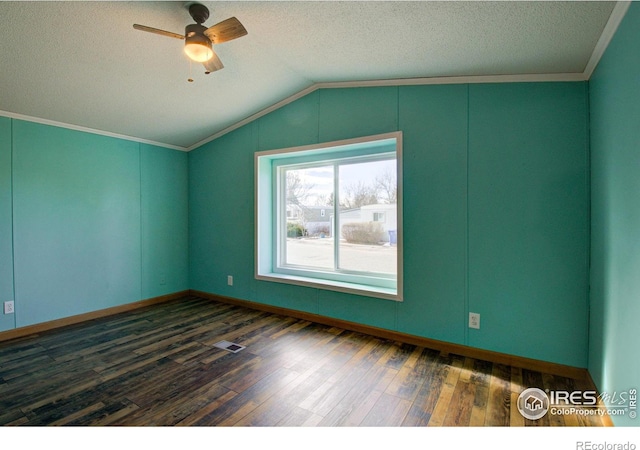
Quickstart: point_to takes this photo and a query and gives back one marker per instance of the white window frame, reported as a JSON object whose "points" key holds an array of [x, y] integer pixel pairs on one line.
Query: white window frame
{"points": [[270, 220]]}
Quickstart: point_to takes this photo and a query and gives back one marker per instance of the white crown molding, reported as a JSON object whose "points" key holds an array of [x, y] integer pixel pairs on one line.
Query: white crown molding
{"points": [[87, 130], [609, 30], [476, 79], [471, 79]]}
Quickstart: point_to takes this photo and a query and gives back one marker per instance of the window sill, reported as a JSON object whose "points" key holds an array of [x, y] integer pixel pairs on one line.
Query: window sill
{"points": [[350, 288]]}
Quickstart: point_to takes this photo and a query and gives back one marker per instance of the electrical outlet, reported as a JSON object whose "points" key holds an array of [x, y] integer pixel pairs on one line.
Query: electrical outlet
{"points": [[230, 280], [8, 307], [474, 320]]}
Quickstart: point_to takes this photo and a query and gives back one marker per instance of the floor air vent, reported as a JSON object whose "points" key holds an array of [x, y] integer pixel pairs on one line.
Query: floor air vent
{"points": [[229, 346]]}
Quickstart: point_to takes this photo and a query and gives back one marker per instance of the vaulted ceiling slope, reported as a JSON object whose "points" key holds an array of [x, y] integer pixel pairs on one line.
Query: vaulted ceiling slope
{"points": [[83, 64]]}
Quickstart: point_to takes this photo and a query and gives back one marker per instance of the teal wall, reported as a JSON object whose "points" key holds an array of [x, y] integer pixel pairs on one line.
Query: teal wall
{"points": [[6, 226], [495, 211], [433, 120], [615, 214], [528, 219], [164, 206], [97, 221]]}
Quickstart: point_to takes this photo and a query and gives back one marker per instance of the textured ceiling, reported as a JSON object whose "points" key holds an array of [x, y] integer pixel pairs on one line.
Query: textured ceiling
{"points": [[82, 63]]}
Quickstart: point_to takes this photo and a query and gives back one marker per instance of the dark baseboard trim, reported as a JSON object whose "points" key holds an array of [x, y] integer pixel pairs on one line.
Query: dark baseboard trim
{"points": [[65, 321], [444, 347]]}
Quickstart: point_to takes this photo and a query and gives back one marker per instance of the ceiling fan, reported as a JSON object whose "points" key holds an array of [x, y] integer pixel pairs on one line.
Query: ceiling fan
{"points": [[199, 39]]}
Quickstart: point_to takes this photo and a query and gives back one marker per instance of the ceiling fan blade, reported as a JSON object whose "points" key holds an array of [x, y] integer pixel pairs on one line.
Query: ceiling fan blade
{"points": [[213, 64], [225, 31], [157, 31]]}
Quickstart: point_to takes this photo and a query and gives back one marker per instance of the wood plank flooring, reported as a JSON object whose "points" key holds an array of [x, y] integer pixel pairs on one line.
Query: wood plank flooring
{"points": [[157, 366]]}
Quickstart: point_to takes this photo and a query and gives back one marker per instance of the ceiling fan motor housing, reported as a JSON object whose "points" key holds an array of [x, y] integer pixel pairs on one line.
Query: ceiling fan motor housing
{"points": [[198, 12], [195, 29]]}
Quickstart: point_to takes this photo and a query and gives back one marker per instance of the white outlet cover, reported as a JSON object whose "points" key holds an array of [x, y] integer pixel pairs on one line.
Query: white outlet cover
{"points": [[9, 307], [474, 321]]}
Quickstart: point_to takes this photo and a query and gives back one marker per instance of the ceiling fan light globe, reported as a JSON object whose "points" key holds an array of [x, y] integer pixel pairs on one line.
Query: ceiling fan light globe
{"points": [[199, 52], [197, 46]]}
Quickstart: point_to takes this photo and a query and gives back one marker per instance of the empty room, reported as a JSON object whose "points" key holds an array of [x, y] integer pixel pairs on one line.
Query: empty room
{"points": [[320, 214]]}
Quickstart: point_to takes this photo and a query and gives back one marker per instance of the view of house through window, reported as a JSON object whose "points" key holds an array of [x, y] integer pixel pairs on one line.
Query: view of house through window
{"points": [[334, 215], [358, 232]]}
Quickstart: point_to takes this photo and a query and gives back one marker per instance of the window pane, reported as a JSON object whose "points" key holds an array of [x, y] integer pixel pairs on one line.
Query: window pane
{"points": [[299, 202], [368, 217], [309, 206]]}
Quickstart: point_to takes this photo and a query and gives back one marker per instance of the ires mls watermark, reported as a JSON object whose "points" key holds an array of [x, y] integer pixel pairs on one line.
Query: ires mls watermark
{"points": [[534, 403]]}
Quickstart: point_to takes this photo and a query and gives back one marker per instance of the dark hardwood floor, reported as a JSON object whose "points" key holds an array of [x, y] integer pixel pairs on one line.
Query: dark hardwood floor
{"points": [[158, 366]]}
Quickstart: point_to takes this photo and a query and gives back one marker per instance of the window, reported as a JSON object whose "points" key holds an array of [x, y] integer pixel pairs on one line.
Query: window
{"points": [[329, 216]]}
